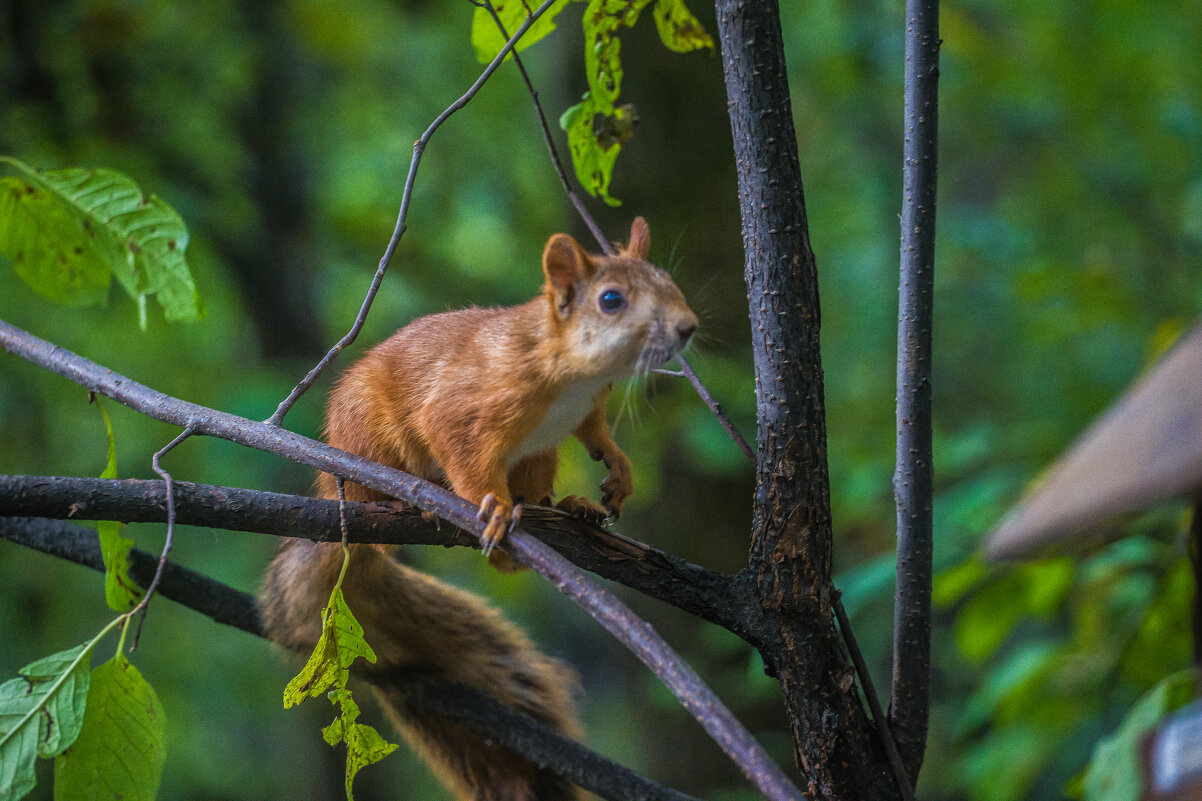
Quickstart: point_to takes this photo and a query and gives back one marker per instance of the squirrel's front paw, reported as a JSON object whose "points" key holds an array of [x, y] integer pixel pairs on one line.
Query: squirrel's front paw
{"points": [[502, 518], [583, 508]]}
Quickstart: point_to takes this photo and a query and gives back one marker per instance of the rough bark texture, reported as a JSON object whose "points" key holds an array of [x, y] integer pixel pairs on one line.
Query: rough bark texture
{"points": [[791, 536], [912, 480]]}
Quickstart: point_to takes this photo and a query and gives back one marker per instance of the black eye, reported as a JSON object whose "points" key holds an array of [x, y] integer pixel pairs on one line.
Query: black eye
{"points": [[611, 300]]}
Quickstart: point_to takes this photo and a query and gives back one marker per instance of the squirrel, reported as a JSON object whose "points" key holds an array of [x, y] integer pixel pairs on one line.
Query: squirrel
{"points": [[478, 400]]}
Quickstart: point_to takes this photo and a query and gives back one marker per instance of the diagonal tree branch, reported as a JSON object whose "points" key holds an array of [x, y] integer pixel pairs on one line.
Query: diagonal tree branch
{"points": [[709, 595], [465, 705], [912, 478], [615, 617]]}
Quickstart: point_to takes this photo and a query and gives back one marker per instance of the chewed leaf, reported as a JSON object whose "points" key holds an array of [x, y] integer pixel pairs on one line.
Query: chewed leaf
{"points": [[62, 224], [341, 642], [41, 714], [679, 30], [595, 139], [121, 749], [486, 37], [364, 745]]}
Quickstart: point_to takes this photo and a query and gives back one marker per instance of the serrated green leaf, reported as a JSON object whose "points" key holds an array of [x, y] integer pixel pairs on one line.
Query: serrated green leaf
{"points": [[62, 224], [486, 37], [121, 593], [41, 713], [1113, 773], [121, 749]]}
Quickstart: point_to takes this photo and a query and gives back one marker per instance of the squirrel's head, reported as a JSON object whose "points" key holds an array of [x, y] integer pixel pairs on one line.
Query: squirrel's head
{"points": [[619, 314]]}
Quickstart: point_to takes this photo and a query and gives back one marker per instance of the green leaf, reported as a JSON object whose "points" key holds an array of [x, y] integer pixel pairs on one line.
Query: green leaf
{"points": [[120, 591], [340, 644], [122, 747], [487, 39], [41, 713], [64, 228], [1113, 773], [48, 250]]}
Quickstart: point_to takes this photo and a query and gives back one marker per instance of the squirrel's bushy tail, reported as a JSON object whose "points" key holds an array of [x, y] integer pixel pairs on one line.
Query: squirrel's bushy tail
{"points": [[417, 624]]}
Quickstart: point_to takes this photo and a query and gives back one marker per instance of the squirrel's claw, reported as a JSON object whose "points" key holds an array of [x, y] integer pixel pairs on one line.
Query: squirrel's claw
{"points": [[583, 508], [501, 519]]}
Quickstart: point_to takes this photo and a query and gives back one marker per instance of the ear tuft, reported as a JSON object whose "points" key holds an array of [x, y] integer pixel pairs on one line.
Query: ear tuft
{"points": [[640, 240], [565, 264]]}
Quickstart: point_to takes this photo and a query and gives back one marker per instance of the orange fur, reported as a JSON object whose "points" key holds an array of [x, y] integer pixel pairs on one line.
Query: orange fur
{"points": [[478, 400]]}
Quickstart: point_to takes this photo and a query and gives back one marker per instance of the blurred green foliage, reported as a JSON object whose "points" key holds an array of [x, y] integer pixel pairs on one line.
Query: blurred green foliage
{"points": [[1070, 219]]}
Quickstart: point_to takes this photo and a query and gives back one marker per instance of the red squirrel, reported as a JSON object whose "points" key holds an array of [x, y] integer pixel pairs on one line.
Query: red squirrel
{"points": [[478, 400]]}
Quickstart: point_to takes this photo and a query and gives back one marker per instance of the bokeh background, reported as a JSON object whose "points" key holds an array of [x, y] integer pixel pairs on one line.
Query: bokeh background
{"points": [[1070, 236]]}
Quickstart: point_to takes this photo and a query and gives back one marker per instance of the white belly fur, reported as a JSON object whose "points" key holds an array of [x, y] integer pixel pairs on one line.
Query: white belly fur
{"points": [[565, 414]]}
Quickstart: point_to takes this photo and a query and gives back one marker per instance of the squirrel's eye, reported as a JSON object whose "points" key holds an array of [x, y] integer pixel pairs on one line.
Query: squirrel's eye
{"points": [[611, 300]]}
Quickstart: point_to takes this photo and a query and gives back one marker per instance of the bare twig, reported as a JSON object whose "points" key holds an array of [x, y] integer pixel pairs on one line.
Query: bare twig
{"points": [[170, 538], [688, 372], [874, 703], [912, 478], [418, 148], [471, 708], [630, 630]]}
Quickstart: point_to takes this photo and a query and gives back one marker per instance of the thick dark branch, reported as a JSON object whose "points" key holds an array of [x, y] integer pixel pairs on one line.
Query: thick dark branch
{"points": [[612, 614], [467, 706], [912, 479], [791, 533], [709, 595]]}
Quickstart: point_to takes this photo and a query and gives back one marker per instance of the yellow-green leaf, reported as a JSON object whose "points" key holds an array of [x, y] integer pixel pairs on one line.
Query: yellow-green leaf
{"points": [[121, 749], [341, 642], [120, 591], [487, 38], [679, 30]]}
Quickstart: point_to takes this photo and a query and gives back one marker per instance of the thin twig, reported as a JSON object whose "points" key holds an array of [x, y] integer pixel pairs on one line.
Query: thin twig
{"points": [[614, 616], [170, 538], [874, 703], [418, 148], [688, 372]]}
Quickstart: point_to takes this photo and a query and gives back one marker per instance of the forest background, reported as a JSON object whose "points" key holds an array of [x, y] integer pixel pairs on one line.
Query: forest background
{"points": [[1070, 234]]}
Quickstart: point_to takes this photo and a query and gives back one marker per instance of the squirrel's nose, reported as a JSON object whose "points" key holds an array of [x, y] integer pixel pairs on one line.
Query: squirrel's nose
{"points": [[685, 330]]}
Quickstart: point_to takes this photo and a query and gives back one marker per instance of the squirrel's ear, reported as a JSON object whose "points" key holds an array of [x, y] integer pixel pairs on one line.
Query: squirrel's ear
{"points": [[640, 240], [565, 264]]}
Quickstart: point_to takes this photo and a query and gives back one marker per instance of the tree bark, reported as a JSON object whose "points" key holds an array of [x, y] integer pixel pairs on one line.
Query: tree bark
{"points": [[790, 558]]}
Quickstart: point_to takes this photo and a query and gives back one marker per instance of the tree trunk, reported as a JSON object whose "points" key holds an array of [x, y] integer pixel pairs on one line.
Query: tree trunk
{"points": [[790, 558]]}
